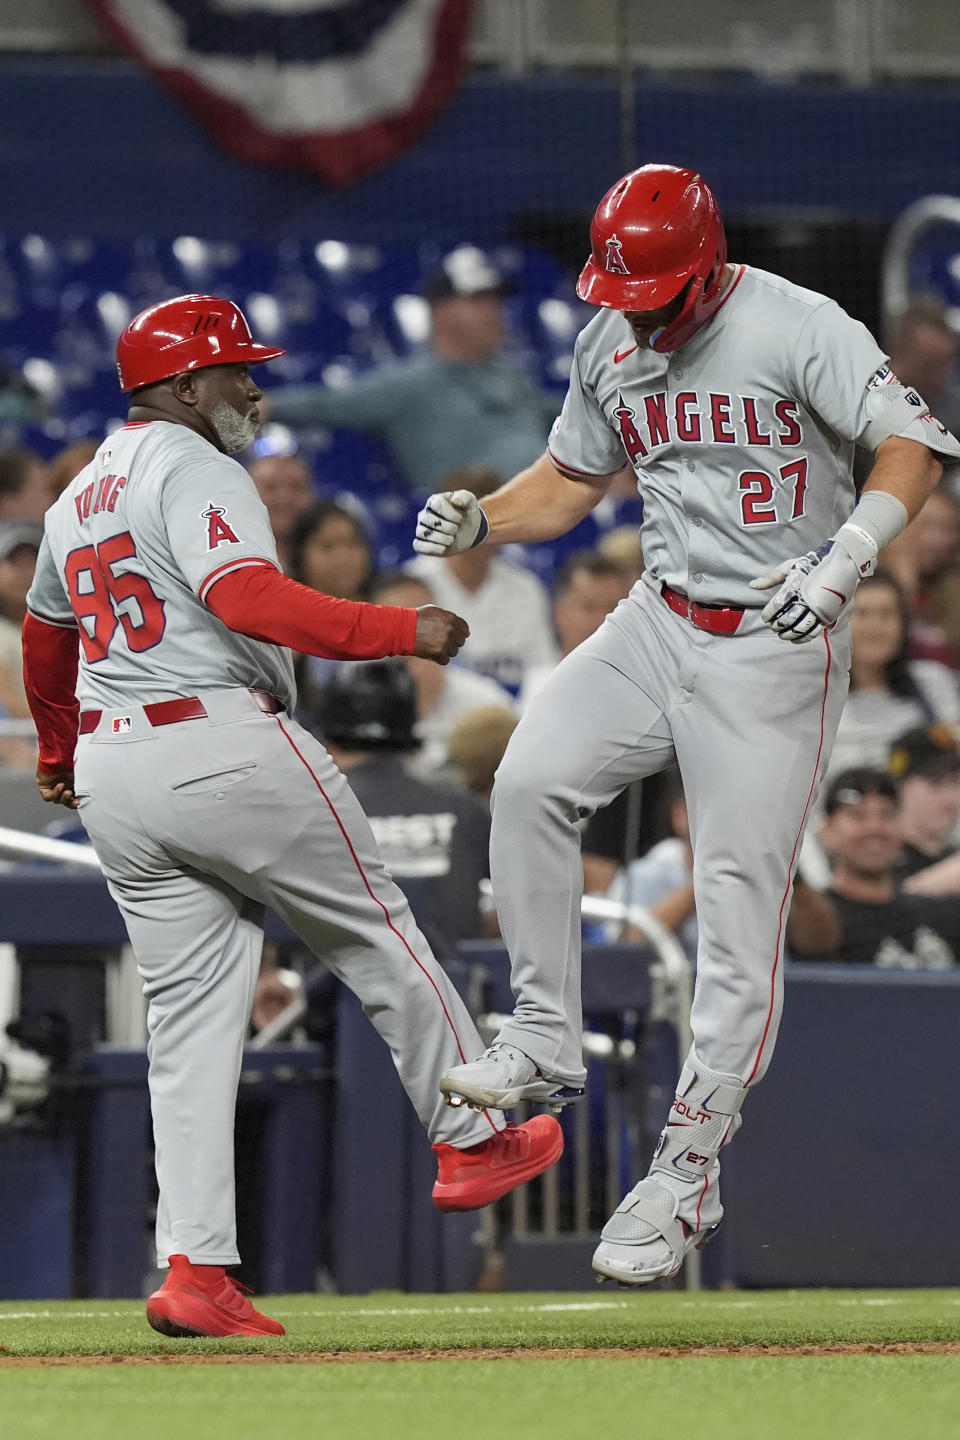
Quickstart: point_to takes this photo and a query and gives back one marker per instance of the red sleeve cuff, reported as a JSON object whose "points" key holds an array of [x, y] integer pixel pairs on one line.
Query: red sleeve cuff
{"points": [[50, 658]]}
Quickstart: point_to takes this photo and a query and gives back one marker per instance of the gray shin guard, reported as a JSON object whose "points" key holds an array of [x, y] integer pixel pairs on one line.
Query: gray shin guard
{"points": [[677, 1207], [704, 1116]]}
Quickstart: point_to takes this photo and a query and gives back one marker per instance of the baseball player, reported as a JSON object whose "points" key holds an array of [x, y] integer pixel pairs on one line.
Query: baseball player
{"points": [[206, 802], [737, 398]]}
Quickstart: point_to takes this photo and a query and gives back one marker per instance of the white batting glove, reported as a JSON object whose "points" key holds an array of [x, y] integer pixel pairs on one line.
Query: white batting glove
{"points": [[815, 589], [450, 522]]}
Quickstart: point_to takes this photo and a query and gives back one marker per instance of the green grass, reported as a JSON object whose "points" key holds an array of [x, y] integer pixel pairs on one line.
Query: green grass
{"points": [[868, 1398], [771, 1397], [595, 1320]]}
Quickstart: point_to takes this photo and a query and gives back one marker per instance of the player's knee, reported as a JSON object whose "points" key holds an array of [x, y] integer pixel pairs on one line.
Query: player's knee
{"points": [[518, 790]]}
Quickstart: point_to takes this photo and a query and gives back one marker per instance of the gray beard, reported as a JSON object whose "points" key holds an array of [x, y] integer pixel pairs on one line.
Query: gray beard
{"points": [[235, 431]]}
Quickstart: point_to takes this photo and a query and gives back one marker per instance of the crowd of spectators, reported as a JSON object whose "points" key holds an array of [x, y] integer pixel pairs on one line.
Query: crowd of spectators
{"points": [[882, 845]]}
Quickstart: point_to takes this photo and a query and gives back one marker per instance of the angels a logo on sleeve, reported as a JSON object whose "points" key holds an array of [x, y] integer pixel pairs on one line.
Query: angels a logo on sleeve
{"points": [[218, 531]]}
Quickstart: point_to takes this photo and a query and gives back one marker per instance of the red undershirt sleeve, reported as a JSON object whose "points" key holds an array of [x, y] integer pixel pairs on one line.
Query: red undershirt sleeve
{"points": [[50, 659], [261, 602]]}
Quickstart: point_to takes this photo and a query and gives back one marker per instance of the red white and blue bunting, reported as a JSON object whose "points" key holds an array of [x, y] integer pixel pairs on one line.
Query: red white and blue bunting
{"points": [[338, 87]]}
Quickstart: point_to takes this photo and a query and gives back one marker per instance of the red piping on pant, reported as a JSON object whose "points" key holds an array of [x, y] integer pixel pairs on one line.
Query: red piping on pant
{"points": [[390, 925], [796, 844], [703, 1192]]}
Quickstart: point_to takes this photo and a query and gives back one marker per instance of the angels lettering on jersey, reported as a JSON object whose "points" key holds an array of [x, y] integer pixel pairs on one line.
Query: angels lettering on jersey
{"points": [[692, 418], [218, 531]]}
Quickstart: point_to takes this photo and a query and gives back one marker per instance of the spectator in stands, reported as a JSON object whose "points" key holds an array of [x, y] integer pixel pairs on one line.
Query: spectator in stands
{"points": [[434, 838], [925, 558], [661, 881], [927, 764], [285, 485], [880, 923], [461, 402], [444, 692], [923, 353], [506, 606], [622, 546], [476, 744], [19, 402], [25, 489], [330, 551], [19, 544], [68, 462], [889, 693], [586, 588]]}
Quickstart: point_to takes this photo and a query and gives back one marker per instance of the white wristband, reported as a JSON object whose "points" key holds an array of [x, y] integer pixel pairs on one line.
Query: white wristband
{"points": [[878, 519]]}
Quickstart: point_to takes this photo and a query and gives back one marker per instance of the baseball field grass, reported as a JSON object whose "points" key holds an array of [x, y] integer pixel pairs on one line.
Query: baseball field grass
{"points": [[760, 1365]]}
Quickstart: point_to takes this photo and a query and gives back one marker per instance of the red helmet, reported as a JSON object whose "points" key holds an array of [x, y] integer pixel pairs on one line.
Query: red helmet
{"points": [[656, 230], [186, 334]]}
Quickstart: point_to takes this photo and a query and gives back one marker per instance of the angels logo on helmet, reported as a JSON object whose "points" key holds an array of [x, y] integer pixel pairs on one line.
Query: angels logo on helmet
{"points": [[615, 261]]}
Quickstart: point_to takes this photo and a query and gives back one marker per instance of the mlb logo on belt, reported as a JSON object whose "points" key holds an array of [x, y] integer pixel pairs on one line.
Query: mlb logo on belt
{"points": [[121, 724]]}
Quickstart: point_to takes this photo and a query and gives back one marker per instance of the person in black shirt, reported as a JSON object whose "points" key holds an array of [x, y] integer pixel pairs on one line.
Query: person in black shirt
{"points": [[434, 838], [927, 763], [880, 923]]}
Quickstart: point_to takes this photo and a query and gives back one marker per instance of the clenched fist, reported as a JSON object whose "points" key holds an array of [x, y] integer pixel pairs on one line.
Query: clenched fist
{"points": [[450, 522], [440, 634]]}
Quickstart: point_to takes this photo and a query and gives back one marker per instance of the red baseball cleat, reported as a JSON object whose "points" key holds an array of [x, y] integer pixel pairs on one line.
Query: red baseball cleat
{"points": [[469, 1179], [197, 1300]]}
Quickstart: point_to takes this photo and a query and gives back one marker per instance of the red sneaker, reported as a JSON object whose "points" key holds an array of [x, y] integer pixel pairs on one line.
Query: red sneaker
{"points": [[469, 1179], [203, 1300]]}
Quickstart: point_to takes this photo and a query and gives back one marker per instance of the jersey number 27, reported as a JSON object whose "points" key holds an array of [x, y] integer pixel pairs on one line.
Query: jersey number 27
{"points": [[758, 495], [97, 594]]}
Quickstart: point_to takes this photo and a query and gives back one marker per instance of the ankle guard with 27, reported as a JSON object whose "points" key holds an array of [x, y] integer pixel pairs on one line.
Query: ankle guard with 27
{"points": [[705, 1114]]}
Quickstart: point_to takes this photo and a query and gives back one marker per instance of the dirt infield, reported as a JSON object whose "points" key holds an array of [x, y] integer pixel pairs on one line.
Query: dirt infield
{"points": [[357, 1357]]}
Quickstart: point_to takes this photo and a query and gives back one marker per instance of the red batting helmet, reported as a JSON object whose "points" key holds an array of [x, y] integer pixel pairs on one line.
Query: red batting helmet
{"points": [[187, 333], [657, 230]]}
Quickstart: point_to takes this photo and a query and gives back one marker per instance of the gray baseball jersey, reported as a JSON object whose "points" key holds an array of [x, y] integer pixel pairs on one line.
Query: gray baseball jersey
{"points": [[742, 440], [204, 814], [133, 546]]}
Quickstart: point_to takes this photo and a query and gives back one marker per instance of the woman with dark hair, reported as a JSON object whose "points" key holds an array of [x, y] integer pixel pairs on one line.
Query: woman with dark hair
{"points": [[889, 692], [329, 550]]}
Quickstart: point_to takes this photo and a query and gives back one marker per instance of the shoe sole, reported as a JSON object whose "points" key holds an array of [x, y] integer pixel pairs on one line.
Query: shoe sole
{"points": [[539, 1092], [462, 1195], [629, 1281], [165, 1324]]}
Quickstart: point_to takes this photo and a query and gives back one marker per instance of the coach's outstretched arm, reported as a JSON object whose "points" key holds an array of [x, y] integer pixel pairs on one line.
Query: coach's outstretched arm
{"points": [[538, 504], [260, 602]]}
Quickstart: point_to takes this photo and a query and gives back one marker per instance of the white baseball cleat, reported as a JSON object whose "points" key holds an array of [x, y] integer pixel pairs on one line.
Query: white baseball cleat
{"points": [[502, 1078], [644, 1239]]}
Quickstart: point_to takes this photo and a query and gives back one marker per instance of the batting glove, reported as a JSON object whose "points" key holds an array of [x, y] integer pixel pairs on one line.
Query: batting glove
{"points": [[815, 589], [449, 523]]}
